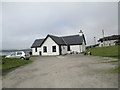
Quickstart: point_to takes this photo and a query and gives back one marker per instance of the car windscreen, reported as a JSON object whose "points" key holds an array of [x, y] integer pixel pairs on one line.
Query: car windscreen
{"points": [[19, 53], [12, 54]]}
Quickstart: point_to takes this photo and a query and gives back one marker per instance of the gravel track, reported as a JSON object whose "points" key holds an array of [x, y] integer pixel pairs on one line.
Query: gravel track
{"points": [[70, 71]]}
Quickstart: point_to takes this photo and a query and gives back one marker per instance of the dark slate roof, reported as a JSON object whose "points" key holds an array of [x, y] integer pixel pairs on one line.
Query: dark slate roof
{"points": [[113, 37], [37, 43], [73, 40], [65, 40], [58, 40]]}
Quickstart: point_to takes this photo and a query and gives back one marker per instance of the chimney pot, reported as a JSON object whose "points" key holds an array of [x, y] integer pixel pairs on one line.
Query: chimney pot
{"points": [[81, 33]]}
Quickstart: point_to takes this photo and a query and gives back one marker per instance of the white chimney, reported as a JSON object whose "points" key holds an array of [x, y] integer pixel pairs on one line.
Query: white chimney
{"points": [[81, 33]]}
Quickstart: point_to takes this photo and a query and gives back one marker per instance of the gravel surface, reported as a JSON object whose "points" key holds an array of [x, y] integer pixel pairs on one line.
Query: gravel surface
{"points": [[70, 71]]}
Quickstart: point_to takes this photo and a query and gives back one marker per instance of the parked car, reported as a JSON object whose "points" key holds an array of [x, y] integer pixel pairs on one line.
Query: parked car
{"points": [[19, 54]]}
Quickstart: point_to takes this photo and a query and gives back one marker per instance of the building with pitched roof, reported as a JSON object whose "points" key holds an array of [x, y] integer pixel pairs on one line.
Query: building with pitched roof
{"points": [[54, 45], [109, 41]]}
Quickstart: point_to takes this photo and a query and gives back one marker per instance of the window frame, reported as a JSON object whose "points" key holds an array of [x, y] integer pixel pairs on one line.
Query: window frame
{"points": [[53, 48], [45, 49]]}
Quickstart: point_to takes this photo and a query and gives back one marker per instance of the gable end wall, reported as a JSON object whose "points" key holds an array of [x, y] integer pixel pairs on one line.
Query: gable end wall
{"points": [[49, 43]]}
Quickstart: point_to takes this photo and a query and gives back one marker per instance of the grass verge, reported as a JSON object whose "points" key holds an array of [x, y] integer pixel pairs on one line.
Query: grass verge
{"points": [[115, 70], [112, 61], [109, 51], [9, 63]]}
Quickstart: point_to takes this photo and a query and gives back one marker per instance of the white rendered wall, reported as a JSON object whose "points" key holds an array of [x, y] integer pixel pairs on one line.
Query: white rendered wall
{"points": [[110, 43], [49, 43], [36, 53], [64, 49], [75, 48], [83, 47], [107, 43]]}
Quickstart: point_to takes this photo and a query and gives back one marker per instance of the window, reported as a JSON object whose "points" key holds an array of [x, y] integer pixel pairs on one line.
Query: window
{"points": [[13, 54], [101, 44], [68, 48], [45, 49], [53, 48], [35, 49], [19, 53]]}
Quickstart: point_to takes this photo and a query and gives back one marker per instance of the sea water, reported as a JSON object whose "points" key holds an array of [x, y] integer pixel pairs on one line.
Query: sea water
{"points": [[5, 53]]}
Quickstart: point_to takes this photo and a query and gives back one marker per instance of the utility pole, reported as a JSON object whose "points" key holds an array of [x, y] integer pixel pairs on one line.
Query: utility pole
{"points": [[103, 37], [94, 40], [103, 33]]}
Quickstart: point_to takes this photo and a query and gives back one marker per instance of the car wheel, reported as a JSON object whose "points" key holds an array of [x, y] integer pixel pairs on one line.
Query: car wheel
{"points": [[22, 58]]}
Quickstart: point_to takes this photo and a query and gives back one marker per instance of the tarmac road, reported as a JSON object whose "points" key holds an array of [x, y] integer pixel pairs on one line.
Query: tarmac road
{"points": [[70, 71]]}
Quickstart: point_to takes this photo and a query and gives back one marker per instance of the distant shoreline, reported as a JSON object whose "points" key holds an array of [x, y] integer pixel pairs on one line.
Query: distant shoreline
{"points": [[7, 52], [12, 50]]}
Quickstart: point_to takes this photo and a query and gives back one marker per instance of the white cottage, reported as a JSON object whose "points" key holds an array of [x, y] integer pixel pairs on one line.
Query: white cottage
{"points": [[109, 41], [54, 45]]}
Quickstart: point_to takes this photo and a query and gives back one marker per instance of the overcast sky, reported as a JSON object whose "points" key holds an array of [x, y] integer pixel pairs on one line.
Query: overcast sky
{"points": [[23, 22]]}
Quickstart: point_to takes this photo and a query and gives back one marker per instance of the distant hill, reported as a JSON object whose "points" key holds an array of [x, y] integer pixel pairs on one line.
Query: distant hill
{"points": [[13, 50]]}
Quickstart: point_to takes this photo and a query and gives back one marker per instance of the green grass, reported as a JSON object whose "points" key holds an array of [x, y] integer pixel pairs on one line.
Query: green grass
{"points": [[109, 51], [112, 61], [115, 70], [35, 55], [9, 63]]}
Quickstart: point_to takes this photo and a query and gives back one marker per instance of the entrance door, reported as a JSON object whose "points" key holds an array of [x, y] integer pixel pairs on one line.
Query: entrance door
{"points": [[60, 50], [40, 53]]}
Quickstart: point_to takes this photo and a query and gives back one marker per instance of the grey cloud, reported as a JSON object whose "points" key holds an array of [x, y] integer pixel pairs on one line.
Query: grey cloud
{"points": [[0, 26], [25, 22]]}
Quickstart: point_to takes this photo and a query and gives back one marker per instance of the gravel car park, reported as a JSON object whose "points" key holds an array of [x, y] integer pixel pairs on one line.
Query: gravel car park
{"points": [[69, 71]]}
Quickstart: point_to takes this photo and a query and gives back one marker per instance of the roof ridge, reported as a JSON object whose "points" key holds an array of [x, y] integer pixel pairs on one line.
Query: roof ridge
{"points": [[39, 39], [64, 36], [70, 35], [52, 35]]}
